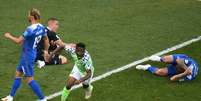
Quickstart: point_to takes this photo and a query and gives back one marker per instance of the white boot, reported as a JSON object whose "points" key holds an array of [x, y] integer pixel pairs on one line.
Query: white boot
{"points": [[88, 92], [143, 67], [40, 64], [7, 98], [43, 99], [155, 58]]}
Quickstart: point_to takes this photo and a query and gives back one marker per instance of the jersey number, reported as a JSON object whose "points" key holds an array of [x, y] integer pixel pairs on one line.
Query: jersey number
{"points": [[37, 40]]}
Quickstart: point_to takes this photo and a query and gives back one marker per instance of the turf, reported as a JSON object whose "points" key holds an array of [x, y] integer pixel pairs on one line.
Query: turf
{"points": [[116, 32], [134, 85]]}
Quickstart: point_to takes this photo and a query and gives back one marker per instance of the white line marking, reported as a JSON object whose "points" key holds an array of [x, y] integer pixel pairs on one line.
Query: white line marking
{"points": [[186, 43]]}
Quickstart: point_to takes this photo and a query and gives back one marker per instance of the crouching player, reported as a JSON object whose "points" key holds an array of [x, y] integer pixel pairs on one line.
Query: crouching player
{"points": [[180, 67], [82, 71]]}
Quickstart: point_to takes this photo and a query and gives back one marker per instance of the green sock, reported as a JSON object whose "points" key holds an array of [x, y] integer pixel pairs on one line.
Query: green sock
{"points": [[65, 94]]}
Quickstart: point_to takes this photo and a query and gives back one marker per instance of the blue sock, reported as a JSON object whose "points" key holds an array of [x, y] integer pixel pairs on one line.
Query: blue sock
{"points": [[152, 69], [16, 85], [36, 88]]}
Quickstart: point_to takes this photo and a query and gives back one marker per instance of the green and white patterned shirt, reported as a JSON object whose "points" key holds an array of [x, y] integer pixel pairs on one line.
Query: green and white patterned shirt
{"points": [[83, 64]]}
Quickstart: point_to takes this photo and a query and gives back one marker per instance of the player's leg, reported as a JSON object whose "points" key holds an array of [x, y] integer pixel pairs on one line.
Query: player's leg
{"points": [[28, 74], [88, 88], [154, 70], [63, 59], [66, 90], [165, 59], [16, 85], [74, 75]]}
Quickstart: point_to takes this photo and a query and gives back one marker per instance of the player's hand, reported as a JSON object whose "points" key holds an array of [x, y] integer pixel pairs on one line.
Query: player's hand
{"points": [[77, 82], [7, 35]]}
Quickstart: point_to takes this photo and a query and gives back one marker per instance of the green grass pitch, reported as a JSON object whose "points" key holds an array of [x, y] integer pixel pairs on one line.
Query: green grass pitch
{"points": [[116, 32]]}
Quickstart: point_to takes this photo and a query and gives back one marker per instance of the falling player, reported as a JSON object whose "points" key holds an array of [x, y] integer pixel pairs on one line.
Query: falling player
{"points": [[82, 71], [29, 41], [180, 67]]}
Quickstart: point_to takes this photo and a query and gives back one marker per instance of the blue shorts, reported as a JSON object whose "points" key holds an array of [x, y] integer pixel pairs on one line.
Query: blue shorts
{"points": [[26, 67], [172, 70]]}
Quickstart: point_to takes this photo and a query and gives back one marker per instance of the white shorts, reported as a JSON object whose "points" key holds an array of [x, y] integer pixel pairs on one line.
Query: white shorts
{"points": [[75, 73]]}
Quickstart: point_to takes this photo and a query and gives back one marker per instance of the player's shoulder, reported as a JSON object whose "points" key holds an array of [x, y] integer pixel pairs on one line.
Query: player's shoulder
{"points": [[35, 26]]}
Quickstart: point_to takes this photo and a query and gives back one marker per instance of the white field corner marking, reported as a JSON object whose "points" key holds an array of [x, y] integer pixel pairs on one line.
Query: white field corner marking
{"points": [[186, 43]]}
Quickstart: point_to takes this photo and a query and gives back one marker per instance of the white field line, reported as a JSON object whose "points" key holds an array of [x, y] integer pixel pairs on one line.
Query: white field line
{"points": [[186, 43]]}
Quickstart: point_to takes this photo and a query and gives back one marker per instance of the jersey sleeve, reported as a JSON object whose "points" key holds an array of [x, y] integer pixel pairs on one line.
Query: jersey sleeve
{"points": [[27, 33], [69, 49]]}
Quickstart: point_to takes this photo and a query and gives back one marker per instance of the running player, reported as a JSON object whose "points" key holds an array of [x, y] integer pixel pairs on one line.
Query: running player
{"points": [[180, 67], [54, 41], [29, 41], [82, 71]]}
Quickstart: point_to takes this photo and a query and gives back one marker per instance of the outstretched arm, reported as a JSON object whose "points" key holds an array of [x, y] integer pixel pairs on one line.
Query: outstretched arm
{"points": [[181, 75], [18, 40]]}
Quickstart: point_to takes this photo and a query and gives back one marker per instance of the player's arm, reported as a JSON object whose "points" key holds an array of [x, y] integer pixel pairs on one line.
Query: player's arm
{"points": [[87, 76], [18, 40], [56, 51], [46, 47], [187, 71]]}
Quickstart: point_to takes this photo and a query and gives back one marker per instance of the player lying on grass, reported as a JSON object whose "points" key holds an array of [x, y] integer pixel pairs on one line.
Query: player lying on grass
{"points": [[82, 70], [29, 41], [180, 67], [54, 41]]}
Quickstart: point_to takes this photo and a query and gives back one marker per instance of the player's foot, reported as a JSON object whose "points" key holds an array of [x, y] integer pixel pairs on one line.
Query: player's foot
{"points": [[155, 58], [43, 99], [88, 92], [7, 98], [40, 64], [143, 67]]}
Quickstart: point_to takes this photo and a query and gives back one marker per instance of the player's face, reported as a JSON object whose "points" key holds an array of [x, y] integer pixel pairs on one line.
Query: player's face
{"points": [[80, 52], [54, 25]]}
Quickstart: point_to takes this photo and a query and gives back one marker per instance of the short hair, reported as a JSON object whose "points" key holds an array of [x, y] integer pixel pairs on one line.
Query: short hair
{"points": [[35, 13], [52, 19], [81, 45]]}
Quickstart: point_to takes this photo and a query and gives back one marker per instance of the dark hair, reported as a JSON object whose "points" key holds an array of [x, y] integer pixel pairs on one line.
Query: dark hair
{"points": [[52, 19], [81, 45]]}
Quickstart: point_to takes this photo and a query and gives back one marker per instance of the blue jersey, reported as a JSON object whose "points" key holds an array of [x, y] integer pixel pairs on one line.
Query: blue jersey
{"points": [[32, 37], [189, 62]]}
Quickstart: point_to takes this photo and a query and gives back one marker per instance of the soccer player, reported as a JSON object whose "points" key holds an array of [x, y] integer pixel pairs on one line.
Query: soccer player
{"points": [[180, 67], [54, 41], [82, 71], [29, 41]]}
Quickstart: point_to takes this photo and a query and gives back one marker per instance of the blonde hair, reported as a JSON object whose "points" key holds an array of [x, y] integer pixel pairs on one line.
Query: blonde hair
{"points": [[35, 13]]}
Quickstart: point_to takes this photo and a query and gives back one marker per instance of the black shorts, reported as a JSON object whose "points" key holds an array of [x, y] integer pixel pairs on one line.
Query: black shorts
{"points": [[55, 60]]}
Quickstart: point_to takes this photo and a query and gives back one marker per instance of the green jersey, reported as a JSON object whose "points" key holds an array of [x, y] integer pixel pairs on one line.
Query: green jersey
{"points": [[83, 64]]}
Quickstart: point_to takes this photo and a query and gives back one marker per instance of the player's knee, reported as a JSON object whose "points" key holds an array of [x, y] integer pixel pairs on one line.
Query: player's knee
{"points": [[85, 86], [68, 87], [63, 60], [28, 79], [160, 72]]}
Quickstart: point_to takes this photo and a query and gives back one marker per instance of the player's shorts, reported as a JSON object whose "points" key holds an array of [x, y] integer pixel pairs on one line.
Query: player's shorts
{"points": [[75, 73], [54, 61], [172, 70], [26, 67]]}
